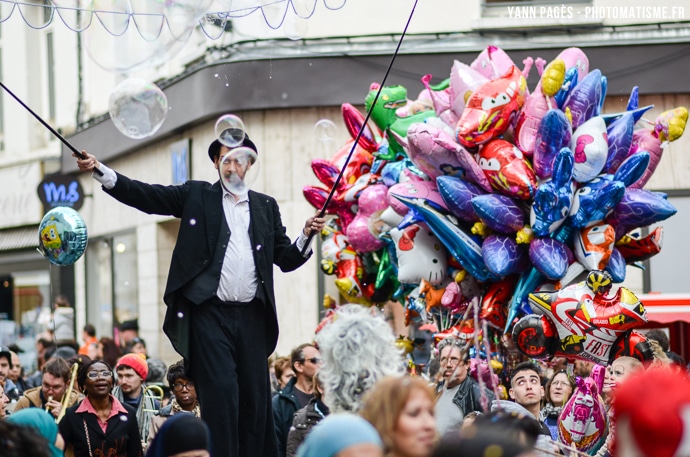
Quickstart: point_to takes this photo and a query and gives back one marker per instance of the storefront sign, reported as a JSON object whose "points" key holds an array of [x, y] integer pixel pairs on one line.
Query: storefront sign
{"points": [[60, 190]]}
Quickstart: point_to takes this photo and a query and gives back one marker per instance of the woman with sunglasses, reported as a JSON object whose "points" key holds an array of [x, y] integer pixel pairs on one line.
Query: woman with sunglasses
{"points": [[100, 425]]}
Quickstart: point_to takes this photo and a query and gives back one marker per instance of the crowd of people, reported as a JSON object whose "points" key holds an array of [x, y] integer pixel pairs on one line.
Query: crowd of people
{"points": [[87, 406]]}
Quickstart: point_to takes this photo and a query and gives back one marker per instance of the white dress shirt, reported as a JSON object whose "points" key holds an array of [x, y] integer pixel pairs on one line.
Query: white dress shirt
{"points": [[238, 279]]}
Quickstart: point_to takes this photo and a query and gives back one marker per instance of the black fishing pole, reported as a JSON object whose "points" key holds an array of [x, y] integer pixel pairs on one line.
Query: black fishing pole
{"points": [[322, 211], [49, 127]]}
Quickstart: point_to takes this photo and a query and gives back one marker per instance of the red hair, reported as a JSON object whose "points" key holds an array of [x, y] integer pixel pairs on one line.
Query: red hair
{"points": [[652, 401]]}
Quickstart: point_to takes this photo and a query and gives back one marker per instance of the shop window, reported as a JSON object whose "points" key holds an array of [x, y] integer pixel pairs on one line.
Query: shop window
{"points": [[111, 283]]}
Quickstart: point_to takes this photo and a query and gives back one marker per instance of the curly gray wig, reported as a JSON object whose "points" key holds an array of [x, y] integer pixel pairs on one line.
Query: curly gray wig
{"points": [[358, 349]]}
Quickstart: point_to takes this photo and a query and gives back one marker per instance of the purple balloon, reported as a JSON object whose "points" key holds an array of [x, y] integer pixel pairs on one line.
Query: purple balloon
{"points": [[553, 134], [499, 212], [503, 256], [457, 195], [639, 208], [550, 257], [620, 135], [584, 100]]}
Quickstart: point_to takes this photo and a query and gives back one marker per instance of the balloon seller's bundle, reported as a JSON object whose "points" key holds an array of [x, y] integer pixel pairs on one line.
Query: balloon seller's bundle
{"points": [[500, 213]]}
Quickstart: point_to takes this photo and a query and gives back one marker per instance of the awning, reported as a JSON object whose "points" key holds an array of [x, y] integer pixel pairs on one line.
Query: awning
{"points": [[18, 238], [666, 308]]}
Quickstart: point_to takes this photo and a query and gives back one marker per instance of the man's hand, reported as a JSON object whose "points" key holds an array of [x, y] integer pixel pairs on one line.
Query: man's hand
{"points": [[89, 163], [55, 407], [313, 225]]}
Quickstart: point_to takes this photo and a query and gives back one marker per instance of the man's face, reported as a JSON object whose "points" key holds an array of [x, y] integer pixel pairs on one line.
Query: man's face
{"points": [[4, 368], [129, 381], [127, 335], [454, 369], [16, 369], [53, 386], [526, 388], [235, 162], [312, 361]]}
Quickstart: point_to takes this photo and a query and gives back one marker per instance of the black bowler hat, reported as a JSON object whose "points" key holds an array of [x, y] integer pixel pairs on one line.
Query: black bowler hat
{"points": [[214, 148]]}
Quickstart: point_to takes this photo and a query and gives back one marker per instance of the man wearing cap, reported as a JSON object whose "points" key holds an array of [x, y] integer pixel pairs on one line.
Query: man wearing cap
{"points": [[132, 371], [221, 314]]}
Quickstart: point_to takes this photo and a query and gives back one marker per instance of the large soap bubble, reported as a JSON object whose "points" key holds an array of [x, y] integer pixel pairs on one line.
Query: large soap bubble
{"points": [[238, 170], [230, 130], [138, 108], [62, 236]]}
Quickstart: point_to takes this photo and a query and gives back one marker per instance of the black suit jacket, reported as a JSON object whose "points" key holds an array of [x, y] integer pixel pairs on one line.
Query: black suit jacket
{"points": [[121, 437], [199, 206]]}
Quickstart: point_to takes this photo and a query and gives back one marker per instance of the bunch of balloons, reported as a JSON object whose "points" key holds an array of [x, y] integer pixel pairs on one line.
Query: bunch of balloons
{"points": [[482, 191]]}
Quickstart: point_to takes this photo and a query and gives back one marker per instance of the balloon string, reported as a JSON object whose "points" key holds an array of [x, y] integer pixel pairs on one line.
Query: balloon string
{"points": [[322, 211]]}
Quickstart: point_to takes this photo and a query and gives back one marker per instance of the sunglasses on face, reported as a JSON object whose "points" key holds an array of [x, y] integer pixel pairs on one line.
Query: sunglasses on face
{"points": [[314, 360]]}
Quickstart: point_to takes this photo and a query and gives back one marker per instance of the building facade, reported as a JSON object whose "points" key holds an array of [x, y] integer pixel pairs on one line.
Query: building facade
{"points": [[281, 87]]}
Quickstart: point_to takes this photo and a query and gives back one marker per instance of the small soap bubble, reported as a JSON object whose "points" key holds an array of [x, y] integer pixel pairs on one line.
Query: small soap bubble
{"points": [[123, 418], [192, 222], [324, 130], [180, 315]]}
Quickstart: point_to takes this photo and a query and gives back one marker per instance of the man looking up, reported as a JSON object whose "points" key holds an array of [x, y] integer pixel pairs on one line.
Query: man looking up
{"points": [[221, 314]]}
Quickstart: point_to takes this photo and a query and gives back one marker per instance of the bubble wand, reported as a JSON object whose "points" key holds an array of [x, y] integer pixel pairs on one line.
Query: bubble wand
{"points": [[322, 211], [49, 127]]}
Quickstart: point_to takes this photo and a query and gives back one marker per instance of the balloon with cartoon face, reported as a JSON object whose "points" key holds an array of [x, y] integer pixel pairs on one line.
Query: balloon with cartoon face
{"points": [[593, 246], [491, 109], [508, 171], [62, 236], [420, 255], [590, 148]]}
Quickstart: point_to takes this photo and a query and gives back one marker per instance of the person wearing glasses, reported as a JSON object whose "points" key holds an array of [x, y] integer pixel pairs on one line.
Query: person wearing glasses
{"points": [[457, 394], [305, 360], [184, 400], [557, 392], [49, 395], [100, 425]]}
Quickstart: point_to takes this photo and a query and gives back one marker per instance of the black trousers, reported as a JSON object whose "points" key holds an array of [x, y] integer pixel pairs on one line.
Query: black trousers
{"points": [[229, 368]]}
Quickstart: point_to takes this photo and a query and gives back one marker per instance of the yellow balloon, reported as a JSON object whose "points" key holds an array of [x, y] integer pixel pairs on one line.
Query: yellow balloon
{"points": [[553, 77]]}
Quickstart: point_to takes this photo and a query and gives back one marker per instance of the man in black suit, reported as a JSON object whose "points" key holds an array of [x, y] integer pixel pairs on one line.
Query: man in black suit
{"points": [[221, 311]]}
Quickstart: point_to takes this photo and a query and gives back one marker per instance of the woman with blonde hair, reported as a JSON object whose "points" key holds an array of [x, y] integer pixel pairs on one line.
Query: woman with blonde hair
{"points": [[401, 409]]}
